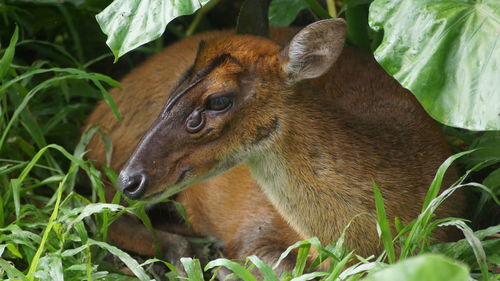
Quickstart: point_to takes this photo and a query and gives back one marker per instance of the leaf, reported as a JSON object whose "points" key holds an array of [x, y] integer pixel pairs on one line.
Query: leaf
{"points": [[193, 269], [493, 181], [353, 4], [238, 270], [474, 243], [301, 261], [265, 270], [132, 264], [51, 268], [9, 54], [314, 241], [383, 224], [318, 9], [357, 26], [461, 250], [309, 276], [131, 23], [36, 258], [431, 202], [284, 12], [334, 274], [11, 271], [447, 53], [429, 267], [96, 208], [438, 178], [13, 250], [487, 149]]}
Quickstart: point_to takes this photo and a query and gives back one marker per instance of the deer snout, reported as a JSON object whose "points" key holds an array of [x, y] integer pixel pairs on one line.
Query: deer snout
{"points": [[132, 183]]}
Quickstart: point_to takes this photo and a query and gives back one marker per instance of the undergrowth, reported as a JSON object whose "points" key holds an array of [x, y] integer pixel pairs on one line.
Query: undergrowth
{"points": [[50, 232]]}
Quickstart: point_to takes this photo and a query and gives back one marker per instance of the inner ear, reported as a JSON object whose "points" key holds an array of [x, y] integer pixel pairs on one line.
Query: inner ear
{"points": [[314, 49]]}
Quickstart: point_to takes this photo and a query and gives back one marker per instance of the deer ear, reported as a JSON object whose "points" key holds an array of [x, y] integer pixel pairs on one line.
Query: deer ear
{"points": [[314, 49]]}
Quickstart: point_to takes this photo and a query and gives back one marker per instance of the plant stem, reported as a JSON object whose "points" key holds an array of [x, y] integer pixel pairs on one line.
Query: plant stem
{"points": [[192, 27], [317, 9], [332, 10]]}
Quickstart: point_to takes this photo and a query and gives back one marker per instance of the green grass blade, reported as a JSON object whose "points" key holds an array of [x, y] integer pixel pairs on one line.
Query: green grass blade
{"points": [[2, 214], [14, 186], [107, 97], [73, 74], [137, 208], [26, 99], [265, 270], [313, 241], [34, 262], [427, 210], [95, 208], [60, 49], [357, 269], [301, 261], [12, 272], [438, 178], [81, 73], [238, 270], [193, 269], [474, 243], [174, 271], [9, 54], [309, 276], [383, 224], [131, 263], [338, 268], [108, 147]]}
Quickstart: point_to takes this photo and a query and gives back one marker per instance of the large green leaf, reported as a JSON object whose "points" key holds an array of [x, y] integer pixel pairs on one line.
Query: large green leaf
{"points": [[131, 23], [447, 52], [284, 12], [429, 267]]}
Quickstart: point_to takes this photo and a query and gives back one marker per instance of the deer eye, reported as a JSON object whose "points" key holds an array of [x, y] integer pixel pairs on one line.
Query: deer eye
{"points": [[219, 103]]}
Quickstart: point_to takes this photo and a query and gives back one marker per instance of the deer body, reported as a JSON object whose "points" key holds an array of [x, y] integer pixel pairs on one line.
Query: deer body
{"points": [[314, 126], [343, 130]]}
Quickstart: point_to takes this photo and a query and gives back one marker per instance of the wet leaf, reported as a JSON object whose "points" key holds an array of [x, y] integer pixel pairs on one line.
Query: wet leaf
{"points": [[447, 53], [131, 23]]}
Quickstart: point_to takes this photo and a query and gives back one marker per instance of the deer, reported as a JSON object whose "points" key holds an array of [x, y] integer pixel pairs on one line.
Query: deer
{"points": [[267, 141]]}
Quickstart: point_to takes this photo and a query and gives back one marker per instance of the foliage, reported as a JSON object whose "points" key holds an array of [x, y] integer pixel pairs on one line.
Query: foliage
{"points": [[131, 23], [51, 62], [424, 267], [284, 12], [447, 53]]}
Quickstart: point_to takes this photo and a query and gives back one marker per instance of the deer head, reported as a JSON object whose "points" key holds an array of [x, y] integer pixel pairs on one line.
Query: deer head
{"points": [[229, 104]]}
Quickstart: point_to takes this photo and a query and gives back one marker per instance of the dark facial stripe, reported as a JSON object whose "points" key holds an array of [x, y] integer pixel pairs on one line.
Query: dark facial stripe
{"points": [[179, 93]]}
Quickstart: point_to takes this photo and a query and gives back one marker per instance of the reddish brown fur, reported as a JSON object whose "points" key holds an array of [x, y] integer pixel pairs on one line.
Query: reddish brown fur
{"points": [[247, 225], [337, 133]]}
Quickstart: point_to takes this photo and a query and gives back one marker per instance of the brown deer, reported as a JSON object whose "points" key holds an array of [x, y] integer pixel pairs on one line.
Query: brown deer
{"points": [[313, 122]]}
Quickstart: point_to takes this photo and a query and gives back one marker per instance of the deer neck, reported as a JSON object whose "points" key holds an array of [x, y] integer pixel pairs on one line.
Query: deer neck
{"points": [[299, 174]]}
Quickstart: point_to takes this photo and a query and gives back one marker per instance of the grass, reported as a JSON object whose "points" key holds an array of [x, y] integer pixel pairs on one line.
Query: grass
{"points": [[50, 232]]}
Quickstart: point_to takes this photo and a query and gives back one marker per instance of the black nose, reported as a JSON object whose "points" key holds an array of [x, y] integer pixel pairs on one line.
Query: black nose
{"points": [[132, 184]]}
